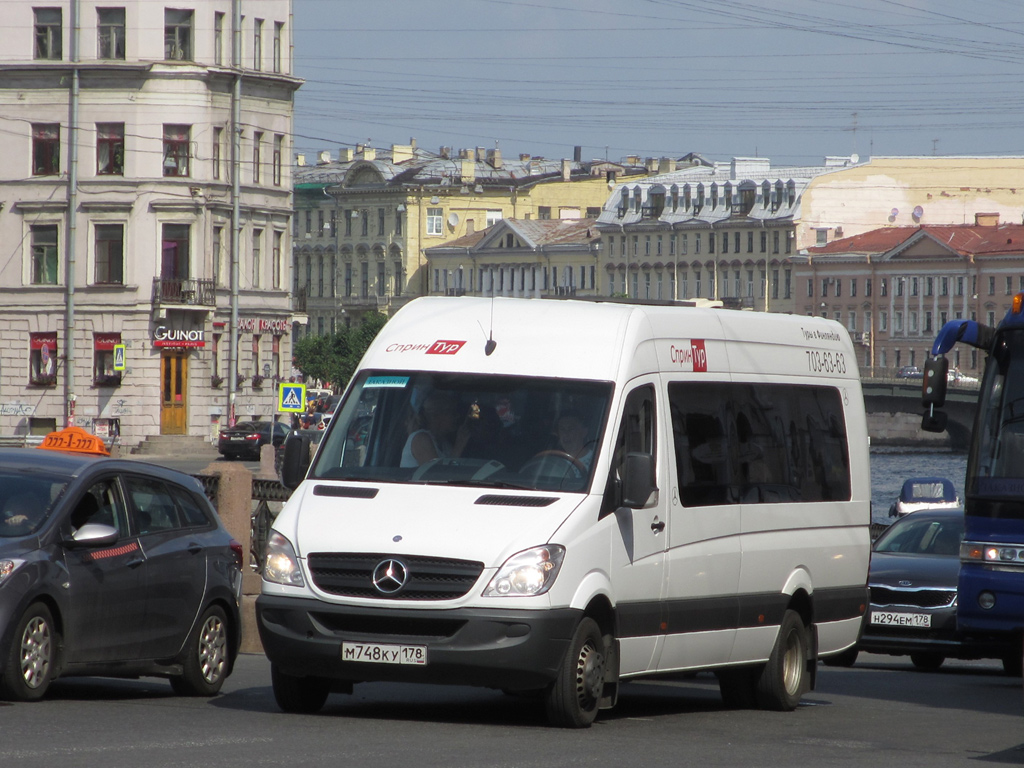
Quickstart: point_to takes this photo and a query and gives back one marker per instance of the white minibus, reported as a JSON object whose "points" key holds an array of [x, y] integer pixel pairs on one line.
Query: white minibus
{"points": [[556, 497]]}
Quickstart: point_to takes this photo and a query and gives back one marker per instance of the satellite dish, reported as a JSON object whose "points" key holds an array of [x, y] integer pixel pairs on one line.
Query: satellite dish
{"points": [[453, 219], [894, 212], [918, 212]]}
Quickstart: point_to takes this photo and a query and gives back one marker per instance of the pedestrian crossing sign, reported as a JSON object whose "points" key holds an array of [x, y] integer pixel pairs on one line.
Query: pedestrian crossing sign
{"points": [[291, 398], [119, 357]]}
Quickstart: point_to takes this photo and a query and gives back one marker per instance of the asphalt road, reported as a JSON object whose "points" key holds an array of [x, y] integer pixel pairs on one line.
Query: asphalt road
{"points": [[881, 712]]}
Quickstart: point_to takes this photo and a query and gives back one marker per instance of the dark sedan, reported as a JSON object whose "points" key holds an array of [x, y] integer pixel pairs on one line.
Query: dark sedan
{"points": [[915, 565], [115, 568], [246, 438]]}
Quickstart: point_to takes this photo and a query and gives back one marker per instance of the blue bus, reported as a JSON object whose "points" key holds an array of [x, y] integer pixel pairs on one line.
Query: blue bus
{"points": [[991, 589]]}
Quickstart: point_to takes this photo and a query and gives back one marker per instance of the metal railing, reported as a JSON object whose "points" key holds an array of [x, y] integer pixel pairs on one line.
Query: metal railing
{"points": [[188, 292]]}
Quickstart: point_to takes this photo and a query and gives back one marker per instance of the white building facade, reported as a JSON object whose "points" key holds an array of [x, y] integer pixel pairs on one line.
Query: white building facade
{"points": [[139, 138]]}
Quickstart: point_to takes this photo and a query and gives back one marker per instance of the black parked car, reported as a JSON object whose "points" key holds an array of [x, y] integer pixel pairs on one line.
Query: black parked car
{"points": [[915, 566], [115, 568], [246, 438]]}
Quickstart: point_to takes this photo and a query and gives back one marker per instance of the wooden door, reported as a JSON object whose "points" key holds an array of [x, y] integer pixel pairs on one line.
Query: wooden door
{"points": [[173, 386]]}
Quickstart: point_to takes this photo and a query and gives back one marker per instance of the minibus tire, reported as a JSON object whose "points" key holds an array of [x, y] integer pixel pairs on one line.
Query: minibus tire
{"points": [[573, 699], [784, 676], [298, 695]]}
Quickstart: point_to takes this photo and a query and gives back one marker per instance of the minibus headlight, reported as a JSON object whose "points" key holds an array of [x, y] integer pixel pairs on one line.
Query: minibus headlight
{"points": [[527, 573], [281, 565], [7, 567]]}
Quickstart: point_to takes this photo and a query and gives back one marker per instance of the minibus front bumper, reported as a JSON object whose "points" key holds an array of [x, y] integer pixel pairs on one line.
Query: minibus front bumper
{"points": [[507, 649]]}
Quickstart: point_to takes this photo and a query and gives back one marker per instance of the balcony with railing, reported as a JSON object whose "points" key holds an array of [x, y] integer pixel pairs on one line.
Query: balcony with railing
{"points": [[177, 293]]}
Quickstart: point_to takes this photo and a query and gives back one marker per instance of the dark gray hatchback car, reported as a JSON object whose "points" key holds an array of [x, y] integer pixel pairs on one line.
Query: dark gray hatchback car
{"points": [[112, 567]]}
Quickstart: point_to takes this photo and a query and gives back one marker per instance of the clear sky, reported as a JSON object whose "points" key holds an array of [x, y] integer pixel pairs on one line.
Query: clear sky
{"points": [[793, 80]]}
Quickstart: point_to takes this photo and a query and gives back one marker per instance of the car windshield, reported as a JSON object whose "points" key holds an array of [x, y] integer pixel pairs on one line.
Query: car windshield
{"points": [[921, 534], [466, 429], [26, 500]]}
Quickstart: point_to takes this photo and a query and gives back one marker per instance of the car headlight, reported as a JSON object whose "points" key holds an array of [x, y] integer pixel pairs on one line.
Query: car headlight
{"points": [[528, 573], [281, 565], [7, 567]]}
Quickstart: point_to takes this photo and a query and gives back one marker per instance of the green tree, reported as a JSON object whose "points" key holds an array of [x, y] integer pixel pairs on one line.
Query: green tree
{"points": [[335, 357]]}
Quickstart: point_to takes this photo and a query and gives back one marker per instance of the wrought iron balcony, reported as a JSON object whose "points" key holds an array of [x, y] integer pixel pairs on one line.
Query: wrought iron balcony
{"points": [[183, 292]]}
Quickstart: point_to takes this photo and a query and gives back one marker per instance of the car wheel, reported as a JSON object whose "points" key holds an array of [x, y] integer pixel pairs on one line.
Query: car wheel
{"points": [[927, 661], [31, 661], [784, 676], [738, 686], [573, 699], [207, 660], [298, 695]]}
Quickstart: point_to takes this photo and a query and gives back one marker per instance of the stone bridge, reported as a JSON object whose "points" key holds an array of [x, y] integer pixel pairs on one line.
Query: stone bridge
{"points": [[894, 414]]}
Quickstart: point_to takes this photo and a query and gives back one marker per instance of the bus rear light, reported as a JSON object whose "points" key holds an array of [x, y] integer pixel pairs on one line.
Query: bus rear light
{"points": [[1018, 304]]}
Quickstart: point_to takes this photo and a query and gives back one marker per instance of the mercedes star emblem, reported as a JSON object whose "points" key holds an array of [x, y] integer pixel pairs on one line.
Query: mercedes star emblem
{"points": [[389, 576]]}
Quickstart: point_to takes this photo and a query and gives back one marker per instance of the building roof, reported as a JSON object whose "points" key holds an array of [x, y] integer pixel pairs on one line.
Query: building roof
{"points": [[534, 233], [963, 239]]}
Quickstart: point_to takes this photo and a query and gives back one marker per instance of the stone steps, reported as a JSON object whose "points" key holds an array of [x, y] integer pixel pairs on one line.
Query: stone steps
{"points": [[175, 445]]}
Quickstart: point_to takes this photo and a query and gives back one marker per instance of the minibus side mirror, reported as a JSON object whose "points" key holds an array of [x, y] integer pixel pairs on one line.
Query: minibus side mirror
{"points": [[638, 481], [933, 385], [296, 461], [933, 394]]}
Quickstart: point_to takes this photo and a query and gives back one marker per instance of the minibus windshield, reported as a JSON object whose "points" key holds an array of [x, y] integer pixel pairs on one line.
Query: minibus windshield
{"points": [[467, 429], [995, 466]]}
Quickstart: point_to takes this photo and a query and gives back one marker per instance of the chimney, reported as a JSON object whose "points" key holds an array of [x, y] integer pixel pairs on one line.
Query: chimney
{"points": [[369, 153], [468, 170], [524, 158], [300, 159], [346, 155], [577, 153], [651, 164], [633, 160], [666, 165], [566, 170], [445, 153], [986, 219], [494, 158], [412, 142], [400, 153]]}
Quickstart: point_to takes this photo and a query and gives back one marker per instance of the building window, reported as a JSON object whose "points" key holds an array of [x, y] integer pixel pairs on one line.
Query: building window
{"points": [[42, 359], [176, 140], [218, 39], [398, 222], [380, 222], [44, 254], [883, 285], [544, 212], [103, 373], [365, 224], [257, 159], [278, 240], [110, 253], [110, 149], [991, 285], [775, 241], [110, 28], [277, 160], [45, 149], [257, 258], [883, 321], [278, 46], [867, 286], [217, 152], [178, 34], [174, 252], [218, 255], [434, 216], [257, 44], [49, 33]]}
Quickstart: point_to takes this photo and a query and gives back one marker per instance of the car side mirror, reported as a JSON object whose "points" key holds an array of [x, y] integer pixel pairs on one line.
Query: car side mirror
{"points": [[92, 535], [933, 385], [296, 461]]}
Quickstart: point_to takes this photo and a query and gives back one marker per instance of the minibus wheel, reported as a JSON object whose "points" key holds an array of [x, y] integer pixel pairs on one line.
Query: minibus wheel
{"points": [[572, 700], [298, 695], [784, 676]]}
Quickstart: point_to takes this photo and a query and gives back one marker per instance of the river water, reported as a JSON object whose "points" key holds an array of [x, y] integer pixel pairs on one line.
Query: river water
{"points": [[890, 467]]}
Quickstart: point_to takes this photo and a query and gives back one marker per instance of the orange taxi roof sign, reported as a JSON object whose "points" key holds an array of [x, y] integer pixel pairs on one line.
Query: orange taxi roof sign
{"points": [[74, 440]]}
